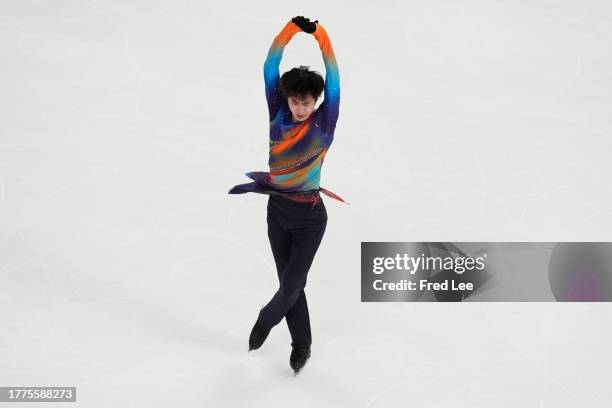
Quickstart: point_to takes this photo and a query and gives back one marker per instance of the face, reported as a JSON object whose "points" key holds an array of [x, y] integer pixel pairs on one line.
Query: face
{"points": [[301, 107]]}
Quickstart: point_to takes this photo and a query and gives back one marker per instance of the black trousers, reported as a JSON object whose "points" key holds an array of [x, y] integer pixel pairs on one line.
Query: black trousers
{"points": [[295, 230]]}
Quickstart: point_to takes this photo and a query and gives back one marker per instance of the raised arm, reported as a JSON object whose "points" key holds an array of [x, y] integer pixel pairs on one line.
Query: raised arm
{"points": [[271, 72], [331, 104]]}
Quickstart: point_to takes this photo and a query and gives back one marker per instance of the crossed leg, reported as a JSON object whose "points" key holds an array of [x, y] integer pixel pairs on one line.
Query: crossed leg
{"points": [[293, 251]]}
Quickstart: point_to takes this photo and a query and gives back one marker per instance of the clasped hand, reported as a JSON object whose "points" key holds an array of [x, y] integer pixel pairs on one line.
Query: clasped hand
{"points": [[305, 24]]}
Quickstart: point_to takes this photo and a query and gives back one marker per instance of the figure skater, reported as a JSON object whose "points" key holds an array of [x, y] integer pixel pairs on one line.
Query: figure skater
{"points": [[300, 137]]}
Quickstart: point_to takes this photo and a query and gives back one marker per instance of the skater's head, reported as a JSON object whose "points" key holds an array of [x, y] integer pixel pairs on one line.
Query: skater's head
{"points": [[301, 88]]}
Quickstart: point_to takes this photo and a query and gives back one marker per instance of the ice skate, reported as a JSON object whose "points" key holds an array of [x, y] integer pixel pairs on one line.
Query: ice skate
{"points": [[299, 357], [258, 336]]}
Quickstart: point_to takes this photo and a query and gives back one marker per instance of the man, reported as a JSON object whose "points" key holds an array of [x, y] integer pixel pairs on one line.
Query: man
{"points": [[300, 136]]}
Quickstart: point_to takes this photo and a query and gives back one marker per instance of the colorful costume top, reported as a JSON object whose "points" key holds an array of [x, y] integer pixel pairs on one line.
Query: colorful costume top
{"points": [[297, 149]]}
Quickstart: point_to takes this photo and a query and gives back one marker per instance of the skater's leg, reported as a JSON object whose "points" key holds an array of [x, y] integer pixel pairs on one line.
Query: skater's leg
{"points": [[298, 321], [280, 242], [304, 245]]}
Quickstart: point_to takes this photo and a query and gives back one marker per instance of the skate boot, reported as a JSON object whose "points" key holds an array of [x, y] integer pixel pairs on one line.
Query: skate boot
{"points": [[258, 336], [298, 358]]}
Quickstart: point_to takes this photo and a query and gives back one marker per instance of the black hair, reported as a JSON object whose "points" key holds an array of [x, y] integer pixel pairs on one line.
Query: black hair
{"points": [[301, 81]]}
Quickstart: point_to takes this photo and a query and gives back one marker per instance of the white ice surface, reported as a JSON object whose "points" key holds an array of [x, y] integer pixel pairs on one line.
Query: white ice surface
{"points": [[126, 269]]}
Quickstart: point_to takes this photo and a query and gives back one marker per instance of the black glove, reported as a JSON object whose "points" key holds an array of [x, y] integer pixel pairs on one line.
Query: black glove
{"points": [[305, 24]]}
